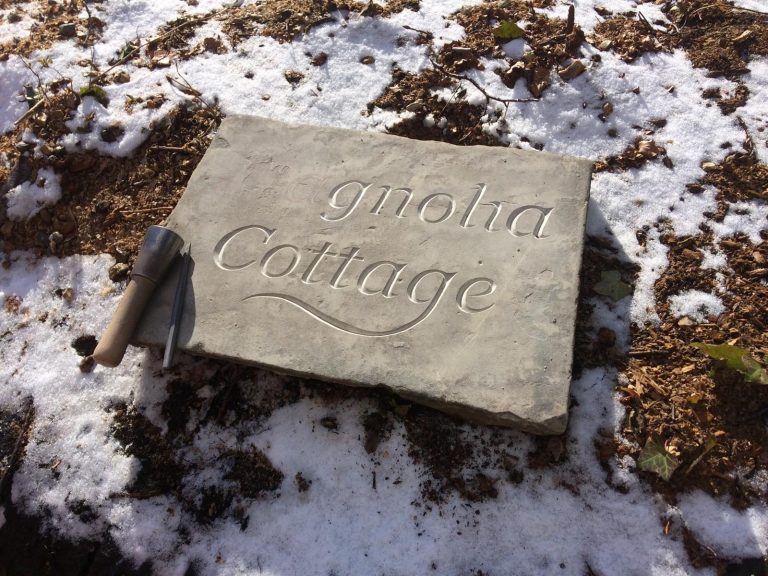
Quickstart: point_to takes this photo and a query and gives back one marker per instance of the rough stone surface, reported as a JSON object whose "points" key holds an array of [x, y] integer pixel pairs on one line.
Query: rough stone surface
{"points": [[449, 274]]}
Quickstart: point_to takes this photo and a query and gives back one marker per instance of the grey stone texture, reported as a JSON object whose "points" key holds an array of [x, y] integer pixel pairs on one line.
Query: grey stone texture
{"points": [[448, 274]]}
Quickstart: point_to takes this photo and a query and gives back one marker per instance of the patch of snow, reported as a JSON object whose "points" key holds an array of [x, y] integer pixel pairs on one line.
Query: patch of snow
{"points": [[12, 104], [342, 522], [755, 111], [19, 29], [758, 5], [515, 48], [749, 218], [28, 198], [714, 260], [727, 531], [697, 305]]}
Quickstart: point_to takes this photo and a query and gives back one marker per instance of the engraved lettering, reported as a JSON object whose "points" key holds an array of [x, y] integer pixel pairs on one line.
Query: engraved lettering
{"points": [[446, 278], [386, 291], [448, 210], [290, 268], [362, 187], [221, 246], [475, 202], [347, 260], [322, 253], [537, 230], [383, 198], [463, 294]]}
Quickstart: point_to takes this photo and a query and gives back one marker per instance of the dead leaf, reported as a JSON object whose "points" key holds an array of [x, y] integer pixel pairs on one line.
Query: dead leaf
{"points": [[654, 458]]}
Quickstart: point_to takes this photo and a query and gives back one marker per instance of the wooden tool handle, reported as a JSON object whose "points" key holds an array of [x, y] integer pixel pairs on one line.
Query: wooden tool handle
{"points": [[111, 348]]}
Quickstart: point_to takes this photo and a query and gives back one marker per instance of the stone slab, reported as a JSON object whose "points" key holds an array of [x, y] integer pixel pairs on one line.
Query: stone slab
{"points": [[448, 274]]}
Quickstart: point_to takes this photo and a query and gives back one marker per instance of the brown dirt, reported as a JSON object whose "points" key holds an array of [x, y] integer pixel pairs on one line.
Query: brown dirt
{"points": [[48, 17], [284, 20], [160, 472], [552, 42], [634, 156], [740, 177], [596, 345], [412, 92], [675, 395], [711, 33], [254, 472], [449, 454], [628, 38], [107, 203], [378, 426], [14, 433]]}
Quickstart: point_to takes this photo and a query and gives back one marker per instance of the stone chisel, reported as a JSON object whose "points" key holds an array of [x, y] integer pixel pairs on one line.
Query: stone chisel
{"points": [[178, 309], [161, 245]]}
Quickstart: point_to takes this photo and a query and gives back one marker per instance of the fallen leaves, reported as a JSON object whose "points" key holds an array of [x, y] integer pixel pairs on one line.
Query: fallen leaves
{"points": [[612, 285], [736, 358], [634, 156], [507, 31], [655, 458]]}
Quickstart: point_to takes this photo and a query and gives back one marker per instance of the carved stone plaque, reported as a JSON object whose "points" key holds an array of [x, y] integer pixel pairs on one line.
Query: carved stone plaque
{"points": [[448, 274]]}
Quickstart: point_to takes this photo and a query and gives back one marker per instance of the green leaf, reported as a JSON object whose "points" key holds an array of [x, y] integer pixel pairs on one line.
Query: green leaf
{"points": [[736, 358], [654, 458], [507, 30], [97, 92], [612, 286]]}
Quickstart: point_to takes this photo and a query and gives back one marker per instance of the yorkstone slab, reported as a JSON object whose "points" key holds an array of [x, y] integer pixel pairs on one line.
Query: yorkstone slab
{"points": [[448, 274]]}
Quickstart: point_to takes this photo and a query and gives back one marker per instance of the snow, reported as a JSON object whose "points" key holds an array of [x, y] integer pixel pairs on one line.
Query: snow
{"points": [[724, 529], [28, 198], [696, 305], [564, 519], [12, 105], [341, 525]]}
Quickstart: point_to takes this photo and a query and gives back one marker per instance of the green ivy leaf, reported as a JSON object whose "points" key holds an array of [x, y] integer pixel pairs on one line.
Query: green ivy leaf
{"points": [[654, 458], [97, 92], [611, 285], [736, 358], [507, 30]]}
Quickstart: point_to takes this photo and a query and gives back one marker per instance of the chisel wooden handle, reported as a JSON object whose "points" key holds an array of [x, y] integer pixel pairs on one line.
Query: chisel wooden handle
{"points": [[111, 348], [160, 247]]}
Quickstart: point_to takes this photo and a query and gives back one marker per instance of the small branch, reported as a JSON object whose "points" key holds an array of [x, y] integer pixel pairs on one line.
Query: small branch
{"points": [[644, 20], [143, 210], [172, 149], [187, 88], [158, 38], [636, 353], [88, 27], [29, 112], [412, 29], [734, 8], [488, 97]]}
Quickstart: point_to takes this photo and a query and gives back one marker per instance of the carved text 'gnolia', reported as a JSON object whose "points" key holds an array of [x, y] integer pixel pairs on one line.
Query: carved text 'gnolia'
{"points": [[350, 197]]}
